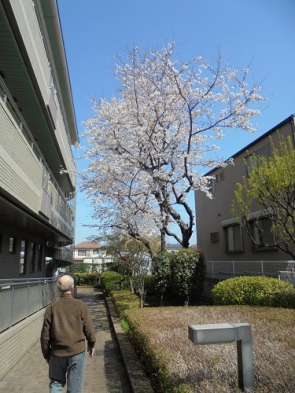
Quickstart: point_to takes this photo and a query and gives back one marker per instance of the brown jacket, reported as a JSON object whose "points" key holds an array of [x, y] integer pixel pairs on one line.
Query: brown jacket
{"points": [[66, 324]]}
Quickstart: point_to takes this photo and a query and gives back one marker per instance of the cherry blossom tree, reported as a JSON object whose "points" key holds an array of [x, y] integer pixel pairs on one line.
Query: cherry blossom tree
{"points": [[150, 144]]}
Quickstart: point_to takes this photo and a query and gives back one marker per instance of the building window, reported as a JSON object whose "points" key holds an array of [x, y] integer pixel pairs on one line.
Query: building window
{"points": [[32, 256], [82, 253], [212, 186], [219, 177], [233, 238], [23, 257], [40, 257], [12, 245], [253, 159], [261, 233]]}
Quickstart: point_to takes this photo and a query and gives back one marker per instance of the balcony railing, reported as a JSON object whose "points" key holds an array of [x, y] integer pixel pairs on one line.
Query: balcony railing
{"points": [[20, 298], [53, 199]]}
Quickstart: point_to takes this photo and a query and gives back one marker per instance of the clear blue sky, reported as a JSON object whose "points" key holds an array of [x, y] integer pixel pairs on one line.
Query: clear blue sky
{"points": [[260, 32]]}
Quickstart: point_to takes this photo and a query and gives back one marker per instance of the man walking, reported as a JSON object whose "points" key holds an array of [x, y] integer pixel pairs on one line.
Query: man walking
{"points": [[66, 324]]}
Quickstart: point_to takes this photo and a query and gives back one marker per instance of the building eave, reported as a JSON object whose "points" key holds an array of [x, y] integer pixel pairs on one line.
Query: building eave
{"points": [[282, 123]]}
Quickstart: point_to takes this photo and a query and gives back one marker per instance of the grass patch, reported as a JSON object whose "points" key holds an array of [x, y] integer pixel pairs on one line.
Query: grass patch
{"points": [[160, 336]]}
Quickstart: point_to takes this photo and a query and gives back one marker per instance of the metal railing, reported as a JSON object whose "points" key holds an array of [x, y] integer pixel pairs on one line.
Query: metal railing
{"points": [[20, 298], [288, 276], [222, 270]]}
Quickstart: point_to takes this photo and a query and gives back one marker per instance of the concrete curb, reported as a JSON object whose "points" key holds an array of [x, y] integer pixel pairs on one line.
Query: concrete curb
{"points": [[138, 380]]}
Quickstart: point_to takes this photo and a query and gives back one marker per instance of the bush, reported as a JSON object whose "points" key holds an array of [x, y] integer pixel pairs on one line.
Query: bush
{"points": [[188, 273], [149, 284], [154, 363], [87, 279], [81, 267], [161, 270], [113, 281], [254, 291], [179, 276], [124, 300]]}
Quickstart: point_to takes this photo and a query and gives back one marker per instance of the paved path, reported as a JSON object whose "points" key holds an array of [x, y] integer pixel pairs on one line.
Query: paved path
{"points": [[104, 372]]}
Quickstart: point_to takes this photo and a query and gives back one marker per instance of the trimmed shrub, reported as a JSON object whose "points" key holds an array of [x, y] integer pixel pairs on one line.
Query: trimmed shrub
{"points": [[179, 276], [188, 273], [154, 363], [87, 279], [161, 270], [113, 281], [254, 291], [124, 300]]}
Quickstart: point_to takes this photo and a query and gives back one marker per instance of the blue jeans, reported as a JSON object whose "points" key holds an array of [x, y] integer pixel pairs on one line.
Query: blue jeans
{"points": [[68, 369]]}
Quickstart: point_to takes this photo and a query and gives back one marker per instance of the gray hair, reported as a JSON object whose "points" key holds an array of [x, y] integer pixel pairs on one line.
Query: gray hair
{"points": [[68, 286]]}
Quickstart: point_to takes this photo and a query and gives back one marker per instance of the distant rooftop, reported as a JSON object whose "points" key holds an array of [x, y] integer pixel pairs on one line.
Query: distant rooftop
{"points": [[87, 245]]}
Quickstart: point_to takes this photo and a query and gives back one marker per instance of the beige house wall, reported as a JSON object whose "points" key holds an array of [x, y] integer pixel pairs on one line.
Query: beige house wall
{"points": [[212, 215]]}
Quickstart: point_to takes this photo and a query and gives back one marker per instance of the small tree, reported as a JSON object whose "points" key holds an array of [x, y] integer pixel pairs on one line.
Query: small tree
{"points": [[161, 270], [181, 273], [188, 272], [269, 188], [133, 259]]}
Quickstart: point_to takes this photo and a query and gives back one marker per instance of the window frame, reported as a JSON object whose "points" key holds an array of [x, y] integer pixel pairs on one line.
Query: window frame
{"points": [[12, 245], [254, 230], [252, 159], [39, 257], [32, 246], [23, 249], [240, 247]]}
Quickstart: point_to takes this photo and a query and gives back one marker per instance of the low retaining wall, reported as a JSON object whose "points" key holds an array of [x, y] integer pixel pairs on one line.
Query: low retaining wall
{"points": [[17, 340]]}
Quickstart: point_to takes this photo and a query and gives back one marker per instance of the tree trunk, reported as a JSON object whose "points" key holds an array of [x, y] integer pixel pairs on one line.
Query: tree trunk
{"points": [[163, 241], [131, 284]]}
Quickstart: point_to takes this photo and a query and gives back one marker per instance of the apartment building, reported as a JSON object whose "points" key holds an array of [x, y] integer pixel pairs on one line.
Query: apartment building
{"points": [[37, 129], [219, 233]]}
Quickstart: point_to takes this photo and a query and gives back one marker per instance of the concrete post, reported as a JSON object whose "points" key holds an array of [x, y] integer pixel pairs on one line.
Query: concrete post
{"points": [[226, 333]]}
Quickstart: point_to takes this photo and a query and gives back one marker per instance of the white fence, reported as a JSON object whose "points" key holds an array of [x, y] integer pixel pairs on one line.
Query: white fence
{"points": [[222, 270], [288, 276]]}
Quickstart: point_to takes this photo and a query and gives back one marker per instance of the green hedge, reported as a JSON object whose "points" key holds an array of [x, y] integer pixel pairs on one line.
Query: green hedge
{"points": [[153, 360], [124, 300], [87, 279], [81, 267], [255, 291], [154, 363], [112, 281]]}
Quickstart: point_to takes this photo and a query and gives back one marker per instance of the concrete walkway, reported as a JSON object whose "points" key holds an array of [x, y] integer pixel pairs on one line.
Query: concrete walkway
{"points": [[104, 373]]}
